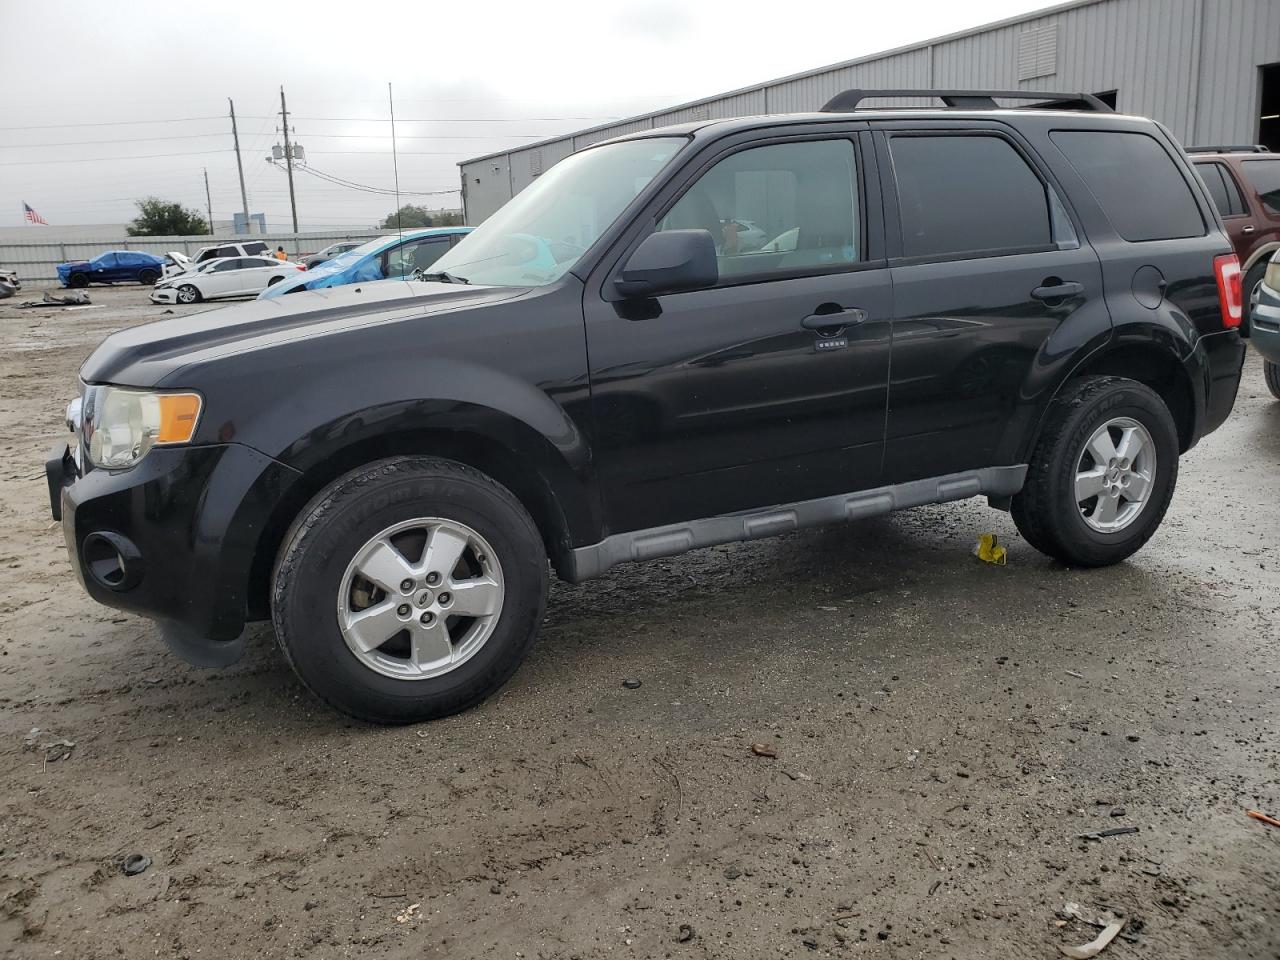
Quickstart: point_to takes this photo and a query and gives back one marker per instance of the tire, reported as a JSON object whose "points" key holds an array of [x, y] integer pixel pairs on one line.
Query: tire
{"points": [[317, 583], [1271, 373], [148, 277], [1250, 283], [1046, 510], [188, 293], [78, 280]]}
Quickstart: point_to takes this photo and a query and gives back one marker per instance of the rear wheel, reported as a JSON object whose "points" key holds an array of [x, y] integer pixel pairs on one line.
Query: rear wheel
{"points": [[409, 589], [1271, 372], [78, 280], [1102, 474], [189, 294], [1251, 288], [147, 277]]}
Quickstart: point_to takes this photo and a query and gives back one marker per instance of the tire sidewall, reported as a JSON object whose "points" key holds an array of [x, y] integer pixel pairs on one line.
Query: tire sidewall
{"points": [[338, 525], [1136, 402]]}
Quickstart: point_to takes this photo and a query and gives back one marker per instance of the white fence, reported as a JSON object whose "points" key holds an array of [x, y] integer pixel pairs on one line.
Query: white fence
{"points": [[38, 261]]}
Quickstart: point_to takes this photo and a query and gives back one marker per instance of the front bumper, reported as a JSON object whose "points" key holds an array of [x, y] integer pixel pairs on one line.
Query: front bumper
{"points": [[1265, 324], [172, 538], [167, 295]]}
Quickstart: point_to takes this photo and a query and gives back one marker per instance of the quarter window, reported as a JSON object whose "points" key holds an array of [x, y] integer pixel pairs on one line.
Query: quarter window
{"points": [[777, 209], [1264, 176], [969, 195], [1137, 182], [1222, 188]]}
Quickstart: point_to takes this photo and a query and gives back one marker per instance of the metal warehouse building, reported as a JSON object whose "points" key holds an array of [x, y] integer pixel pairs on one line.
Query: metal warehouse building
{"points": [[1208, 69]]}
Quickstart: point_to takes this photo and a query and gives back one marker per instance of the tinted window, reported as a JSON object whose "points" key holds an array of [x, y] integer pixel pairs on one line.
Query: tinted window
{"points": [[1135, 180], [1264, 176], [255, 247], [780, 208], [1211, 174], [228, 265], [967, 194], [414, 255]]}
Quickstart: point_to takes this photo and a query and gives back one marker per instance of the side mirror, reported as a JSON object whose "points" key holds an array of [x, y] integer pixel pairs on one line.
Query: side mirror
{"points": [[670, 261]]}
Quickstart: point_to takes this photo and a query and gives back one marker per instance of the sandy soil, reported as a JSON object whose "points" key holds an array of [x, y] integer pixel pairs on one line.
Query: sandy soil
{"points": [[944, 730]]}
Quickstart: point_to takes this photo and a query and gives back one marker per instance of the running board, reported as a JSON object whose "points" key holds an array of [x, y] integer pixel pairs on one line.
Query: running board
{"points": [[668, 541]]}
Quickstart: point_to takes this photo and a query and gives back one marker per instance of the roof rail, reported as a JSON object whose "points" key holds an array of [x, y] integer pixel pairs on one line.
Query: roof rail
{"points": [[972, 99], [1230, 148]]}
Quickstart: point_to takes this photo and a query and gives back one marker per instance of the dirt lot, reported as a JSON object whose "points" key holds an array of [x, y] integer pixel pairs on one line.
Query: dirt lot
{"points": [[944, 731]]}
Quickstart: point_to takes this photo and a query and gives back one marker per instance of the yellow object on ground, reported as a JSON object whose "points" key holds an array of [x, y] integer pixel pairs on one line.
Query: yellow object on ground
{"points": [[989, 550]]}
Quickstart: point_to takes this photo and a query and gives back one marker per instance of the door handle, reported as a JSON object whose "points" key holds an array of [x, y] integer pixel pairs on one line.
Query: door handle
{"points": [[1063, 288], [1248, 228], [829, 321]]}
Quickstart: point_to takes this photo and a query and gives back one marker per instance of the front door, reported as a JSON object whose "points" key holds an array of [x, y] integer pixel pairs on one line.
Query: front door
{"points": [[770, 387], [986, 265]]}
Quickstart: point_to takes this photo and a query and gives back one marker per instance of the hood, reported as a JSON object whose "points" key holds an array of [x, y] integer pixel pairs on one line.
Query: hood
{"points": [[144, 356]]}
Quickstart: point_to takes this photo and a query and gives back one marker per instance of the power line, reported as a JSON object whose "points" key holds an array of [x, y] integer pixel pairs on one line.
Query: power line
{"points": [[109, 123], [145, 156], [77, 143], [454, 119]]}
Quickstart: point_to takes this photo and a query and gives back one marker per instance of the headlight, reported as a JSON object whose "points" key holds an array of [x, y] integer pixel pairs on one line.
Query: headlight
{"points": [[1272, 277], [121, 424]]}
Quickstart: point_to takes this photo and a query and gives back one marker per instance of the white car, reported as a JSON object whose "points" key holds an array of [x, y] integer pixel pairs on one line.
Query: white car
{"points": [[227, 277]]}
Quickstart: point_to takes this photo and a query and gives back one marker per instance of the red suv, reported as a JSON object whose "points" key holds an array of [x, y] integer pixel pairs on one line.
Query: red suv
{"points": [[1245, 184]]}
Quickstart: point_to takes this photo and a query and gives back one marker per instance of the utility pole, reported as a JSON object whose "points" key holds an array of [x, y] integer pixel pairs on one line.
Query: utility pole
{"points": [[244, 197], [208, 200], [288, 159]]}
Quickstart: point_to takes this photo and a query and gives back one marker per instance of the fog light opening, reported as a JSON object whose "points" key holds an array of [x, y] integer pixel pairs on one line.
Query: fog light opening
{"points": [[112, 561]]}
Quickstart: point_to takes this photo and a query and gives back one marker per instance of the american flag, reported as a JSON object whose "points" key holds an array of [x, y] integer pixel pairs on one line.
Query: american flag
{"points": [[32, 216]]}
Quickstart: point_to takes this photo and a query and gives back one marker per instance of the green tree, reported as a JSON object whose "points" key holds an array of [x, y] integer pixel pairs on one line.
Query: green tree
{"points": [[410, 217], [160, 218]]}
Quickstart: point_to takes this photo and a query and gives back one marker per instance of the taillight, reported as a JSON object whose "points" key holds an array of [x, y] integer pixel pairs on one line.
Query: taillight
{"points": [[1230, 289], [302, 266]]}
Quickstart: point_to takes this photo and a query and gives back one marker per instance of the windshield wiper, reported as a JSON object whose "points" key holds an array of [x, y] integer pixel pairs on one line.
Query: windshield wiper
{"points": [[442, 276]]}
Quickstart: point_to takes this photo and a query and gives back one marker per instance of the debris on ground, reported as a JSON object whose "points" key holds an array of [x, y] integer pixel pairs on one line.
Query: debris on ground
{"points": [[1103, 834], [135, 864], [1117, 811], [684, 934], [54, 750], [31, 739], [1111, 928], [764, 750], [1259, 815], [988, 550], [50, 300], [631, 683], [1072, 673], [797, 775], [405, 915]]}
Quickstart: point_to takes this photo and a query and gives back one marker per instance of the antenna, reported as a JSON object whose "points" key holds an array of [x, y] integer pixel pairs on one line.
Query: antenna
{"points": [[395, 160]]}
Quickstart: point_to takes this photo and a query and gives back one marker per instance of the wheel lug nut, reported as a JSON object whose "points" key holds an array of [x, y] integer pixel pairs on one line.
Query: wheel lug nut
{"points": [[406, 586], [444, 599], [427, 618], [403, 609], [433, 579]]}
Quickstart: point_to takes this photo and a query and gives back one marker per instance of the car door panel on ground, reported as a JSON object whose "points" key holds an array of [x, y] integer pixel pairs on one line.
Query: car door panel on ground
{"points": [[746, 394], [986, 265]]}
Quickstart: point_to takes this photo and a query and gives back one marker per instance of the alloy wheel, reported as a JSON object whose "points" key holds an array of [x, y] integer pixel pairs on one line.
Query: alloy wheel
{"points": [[1115, 474]]}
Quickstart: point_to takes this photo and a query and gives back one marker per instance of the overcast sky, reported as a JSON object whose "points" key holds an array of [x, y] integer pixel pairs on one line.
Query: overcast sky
{"points": [[469, 78]]}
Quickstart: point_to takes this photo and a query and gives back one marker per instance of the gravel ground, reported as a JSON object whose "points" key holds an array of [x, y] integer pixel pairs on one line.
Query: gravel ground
{"points": [[944, 731]]}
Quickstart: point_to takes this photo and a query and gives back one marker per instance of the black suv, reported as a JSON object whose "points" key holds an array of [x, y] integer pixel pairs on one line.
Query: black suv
{"points": [[1035, 305]]}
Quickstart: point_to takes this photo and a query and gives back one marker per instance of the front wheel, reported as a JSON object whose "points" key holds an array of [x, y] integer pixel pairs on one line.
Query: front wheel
{"points": [[78, 280], [188, 294], [1271, 373], [409, 589], [148, 277], [1102, 473]]}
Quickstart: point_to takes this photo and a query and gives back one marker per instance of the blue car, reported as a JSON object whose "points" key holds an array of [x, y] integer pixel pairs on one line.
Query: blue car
{"points": [[386, 258], [114, 266]]}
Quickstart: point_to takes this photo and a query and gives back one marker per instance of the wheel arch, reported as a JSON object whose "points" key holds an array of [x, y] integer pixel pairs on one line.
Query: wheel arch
{"points": [[1150, 362], [1263, 252], [528, 480]]}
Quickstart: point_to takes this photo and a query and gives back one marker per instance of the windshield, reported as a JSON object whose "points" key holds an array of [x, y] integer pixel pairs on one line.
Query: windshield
{"points": [[542, 231]]}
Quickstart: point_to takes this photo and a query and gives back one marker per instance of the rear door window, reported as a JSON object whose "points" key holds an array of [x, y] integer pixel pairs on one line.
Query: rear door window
{"points": [[1264, 176], [1137, 182], [1222, 188], [970, 194]]}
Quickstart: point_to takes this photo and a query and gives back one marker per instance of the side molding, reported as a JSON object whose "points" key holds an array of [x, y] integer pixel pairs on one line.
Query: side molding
{"points": [[667, 541]]}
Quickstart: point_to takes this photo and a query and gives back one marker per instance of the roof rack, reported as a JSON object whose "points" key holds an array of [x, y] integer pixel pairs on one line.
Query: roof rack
{"points": [[1230, 148], [972, 99]]}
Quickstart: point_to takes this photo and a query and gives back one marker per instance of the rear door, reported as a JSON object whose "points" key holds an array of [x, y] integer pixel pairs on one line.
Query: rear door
{"points": [[987, 265], [768, 388]]}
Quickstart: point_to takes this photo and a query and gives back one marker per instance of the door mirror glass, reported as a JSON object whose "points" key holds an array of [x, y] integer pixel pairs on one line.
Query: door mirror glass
{"points": [[670, 261]]}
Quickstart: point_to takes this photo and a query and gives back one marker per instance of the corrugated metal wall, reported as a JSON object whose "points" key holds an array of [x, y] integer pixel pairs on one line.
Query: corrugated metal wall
{"points": [[1191, 64]]}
